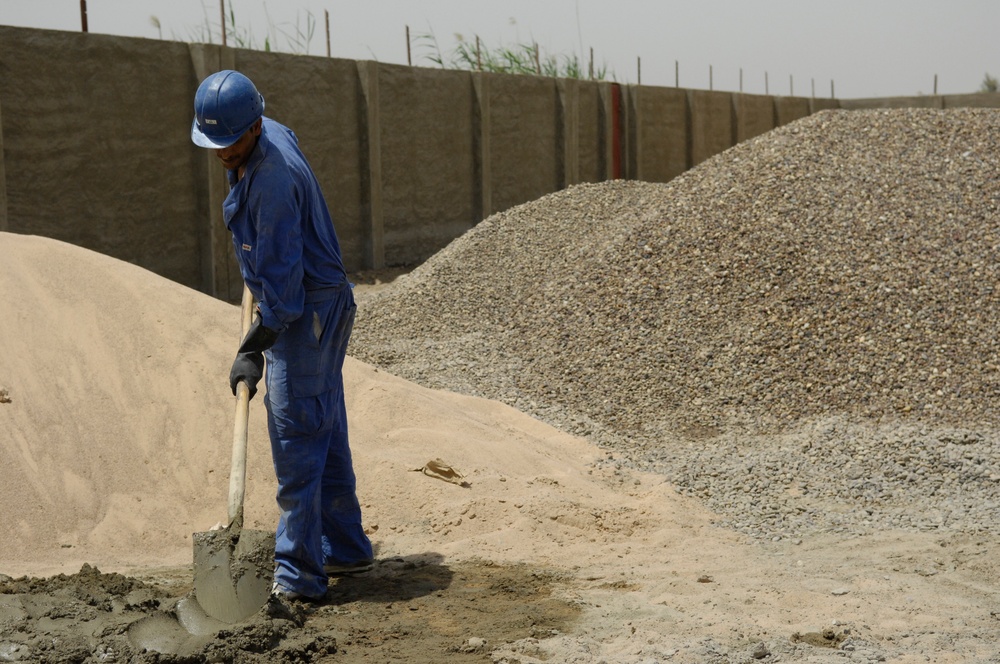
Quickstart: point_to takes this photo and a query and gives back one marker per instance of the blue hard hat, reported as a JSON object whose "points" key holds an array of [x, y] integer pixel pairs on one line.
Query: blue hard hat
{"points": [[225, 106]]}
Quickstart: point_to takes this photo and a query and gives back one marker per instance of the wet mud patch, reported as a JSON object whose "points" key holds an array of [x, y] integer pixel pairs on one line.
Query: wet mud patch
{"points": [[422, 611], [414, 609]]}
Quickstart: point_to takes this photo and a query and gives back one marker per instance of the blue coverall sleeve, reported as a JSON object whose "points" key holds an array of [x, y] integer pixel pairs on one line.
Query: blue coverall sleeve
{"points": [[276, 211]]}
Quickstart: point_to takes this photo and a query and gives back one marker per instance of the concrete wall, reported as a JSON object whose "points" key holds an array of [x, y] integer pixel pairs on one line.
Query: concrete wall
{"points": [[94, 156], [659, 133], [893, 102], [525, 138], [3, 182], [790, 109], [94, 139], [755, 115], [711, 124], [977, 100], [585, 144], [428, 165], [817, 104]]}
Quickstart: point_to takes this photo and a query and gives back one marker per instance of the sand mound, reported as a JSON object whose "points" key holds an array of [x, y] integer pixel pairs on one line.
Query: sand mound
{"points": [[118, 433]]}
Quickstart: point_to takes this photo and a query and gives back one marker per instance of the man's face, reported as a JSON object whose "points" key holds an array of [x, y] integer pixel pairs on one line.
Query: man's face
{"points": [[236, 155]]}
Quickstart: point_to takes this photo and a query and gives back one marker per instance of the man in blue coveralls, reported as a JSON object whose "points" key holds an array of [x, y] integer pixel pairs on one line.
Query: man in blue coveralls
{"points": [[290, 259]]}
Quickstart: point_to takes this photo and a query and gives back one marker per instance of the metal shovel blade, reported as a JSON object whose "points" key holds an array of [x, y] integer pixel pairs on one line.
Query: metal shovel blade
{"points": [[232, 572], [233, 567]]}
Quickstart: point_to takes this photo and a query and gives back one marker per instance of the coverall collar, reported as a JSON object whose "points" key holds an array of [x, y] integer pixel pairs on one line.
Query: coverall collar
{"points": [[256, 156]]}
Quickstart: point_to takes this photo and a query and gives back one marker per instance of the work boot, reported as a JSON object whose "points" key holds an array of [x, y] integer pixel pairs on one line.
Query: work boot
{"points": [[281, 592]]}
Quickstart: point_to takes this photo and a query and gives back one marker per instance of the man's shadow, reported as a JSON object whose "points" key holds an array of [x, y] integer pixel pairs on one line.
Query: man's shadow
{"points": [[392, 580]]}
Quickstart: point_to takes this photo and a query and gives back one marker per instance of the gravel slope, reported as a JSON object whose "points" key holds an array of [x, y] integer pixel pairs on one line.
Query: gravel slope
{"points": [[830, 285]]}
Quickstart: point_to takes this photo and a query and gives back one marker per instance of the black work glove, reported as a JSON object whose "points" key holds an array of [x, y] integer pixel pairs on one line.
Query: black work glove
{"points": [[248, 367], [258, 338]]}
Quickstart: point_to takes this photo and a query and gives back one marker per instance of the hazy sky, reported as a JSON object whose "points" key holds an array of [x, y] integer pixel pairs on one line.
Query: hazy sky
{"points": [[868, 48]]}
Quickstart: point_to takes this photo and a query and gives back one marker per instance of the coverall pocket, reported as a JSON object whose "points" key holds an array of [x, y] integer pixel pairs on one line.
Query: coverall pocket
{"points": [[317, 359]]}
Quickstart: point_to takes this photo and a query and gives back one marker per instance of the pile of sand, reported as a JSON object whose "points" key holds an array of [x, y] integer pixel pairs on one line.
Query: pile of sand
{"points": [[118, 431]]}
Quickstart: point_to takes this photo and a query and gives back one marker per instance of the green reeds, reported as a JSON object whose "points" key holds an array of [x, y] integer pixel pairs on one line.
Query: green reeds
{"points": [[518, 59], [290, 38]]}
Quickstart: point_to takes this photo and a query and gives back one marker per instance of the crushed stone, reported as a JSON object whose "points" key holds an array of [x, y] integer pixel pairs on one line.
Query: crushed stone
{"points": [[802, 330]]}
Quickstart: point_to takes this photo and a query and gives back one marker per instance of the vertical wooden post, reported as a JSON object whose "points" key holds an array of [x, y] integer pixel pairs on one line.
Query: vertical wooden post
{"points": [[832, 95], [479, 57], [935, 83], [638, 70], [592, 63], [409, 60], [813, 82], [83, 15], [711, 83], [791, 86], [741, 79], [326, 12], [766, 88], [677, 73], [222, 19]]}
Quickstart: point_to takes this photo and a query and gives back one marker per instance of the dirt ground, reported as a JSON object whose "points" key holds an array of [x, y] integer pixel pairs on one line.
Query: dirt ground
{"points": [[406, 610], [900, 599], [549, 550]]}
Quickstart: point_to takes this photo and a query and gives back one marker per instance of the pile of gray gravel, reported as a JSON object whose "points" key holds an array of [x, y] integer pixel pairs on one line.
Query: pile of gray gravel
{"points": [[838, 273]]}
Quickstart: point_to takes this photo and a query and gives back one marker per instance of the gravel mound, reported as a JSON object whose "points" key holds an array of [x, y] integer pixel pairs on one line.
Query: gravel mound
{"points": [[838, 272]]}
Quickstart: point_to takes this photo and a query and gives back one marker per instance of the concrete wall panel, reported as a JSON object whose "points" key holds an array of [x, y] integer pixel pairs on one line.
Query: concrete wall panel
{"points": [[927, 101], [790, 109], [96, 146], [590, 135], [429, 175], [711, 124], [976, 100], [816, 105], [4, 227], [524, 136], [754, 115], [662, 135]]}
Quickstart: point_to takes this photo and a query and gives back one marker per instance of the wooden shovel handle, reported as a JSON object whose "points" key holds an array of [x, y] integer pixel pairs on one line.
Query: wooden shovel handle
{"points": [[238, 471]]}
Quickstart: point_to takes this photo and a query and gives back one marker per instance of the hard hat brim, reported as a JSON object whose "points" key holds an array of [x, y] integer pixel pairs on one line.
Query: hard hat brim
{"points": [[203, 141]]}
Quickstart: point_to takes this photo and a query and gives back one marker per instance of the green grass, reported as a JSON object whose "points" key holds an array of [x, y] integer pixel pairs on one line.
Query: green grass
{"points": [[291, 38], [522, 58]]}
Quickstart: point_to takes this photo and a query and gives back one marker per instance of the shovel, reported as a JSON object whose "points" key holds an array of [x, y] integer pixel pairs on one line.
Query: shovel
{"points": [[233, 568]]}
